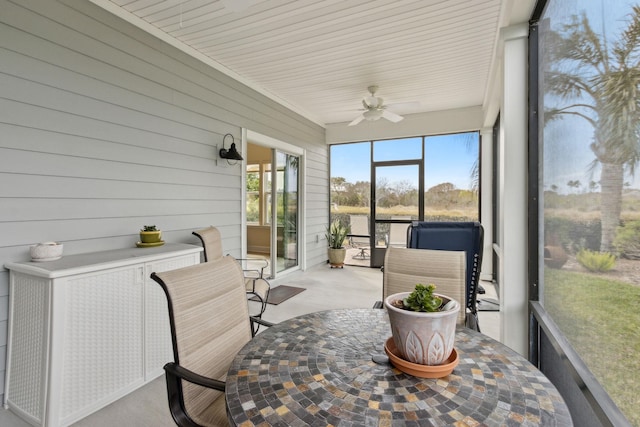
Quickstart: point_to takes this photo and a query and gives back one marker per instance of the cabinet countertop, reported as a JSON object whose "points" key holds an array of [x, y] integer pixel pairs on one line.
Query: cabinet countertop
{"points": [[81, 263]]}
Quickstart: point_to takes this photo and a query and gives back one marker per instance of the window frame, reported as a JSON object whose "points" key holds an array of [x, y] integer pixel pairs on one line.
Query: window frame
{"points": [[264, 168]]}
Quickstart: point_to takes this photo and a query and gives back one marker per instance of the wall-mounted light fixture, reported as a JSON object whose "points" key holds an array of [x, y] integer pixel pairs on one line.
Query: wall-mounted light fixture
{"points": [[231, 153]]}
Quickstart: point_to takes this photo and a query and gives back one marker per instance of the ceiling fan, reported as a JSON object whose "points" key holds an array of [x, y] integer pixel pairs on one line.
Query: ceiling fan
{"points": [[374, 109]]}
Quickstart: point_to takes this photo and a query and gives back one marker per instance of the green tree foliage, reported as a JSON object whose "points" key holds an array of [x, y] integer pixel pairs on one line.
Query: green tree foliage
{"points": [[627, 241], [344, 193], [253, 181]]}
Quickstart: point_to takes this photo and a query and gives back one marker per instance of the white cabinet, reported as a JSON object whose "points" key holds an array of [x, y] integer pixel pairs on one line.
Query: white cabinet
{"points": [[86, 330]]}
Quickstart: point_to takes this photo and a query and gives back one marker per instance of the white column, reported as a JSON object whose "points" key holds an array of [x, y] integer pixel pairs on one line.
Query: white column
{"points": [[513, 190], [486, 201]]}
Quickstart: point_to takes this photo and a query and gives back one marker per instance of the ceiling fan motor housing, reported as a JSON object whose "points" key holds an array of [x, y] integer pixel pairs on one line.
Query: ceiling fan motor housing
{"points": [[373, 114]]}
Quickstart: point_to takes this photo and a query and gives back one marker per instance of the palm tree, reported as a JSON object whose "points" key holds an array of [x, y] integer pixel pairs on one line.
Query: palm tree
{"points": [[604, 83]]}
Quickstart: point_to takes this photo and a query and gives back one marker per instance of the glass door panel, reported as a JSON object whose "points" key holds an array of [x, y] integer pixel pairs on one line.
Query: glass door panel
{"points": [[286, 211], [397, 200]]}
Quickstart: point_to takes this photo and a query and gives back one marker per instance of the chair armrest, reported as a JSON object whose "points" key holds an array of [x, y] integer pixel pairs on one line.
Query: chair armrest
{"points": [[175, 374], [260, 265], [261, 321], [377, 304], [183, 373], [257, 286]]}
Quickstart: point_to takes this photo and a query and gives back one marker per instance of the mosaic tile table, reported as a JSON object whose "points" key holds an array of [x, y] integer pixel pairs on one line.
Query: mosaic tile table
{"points": [[317, 370]]}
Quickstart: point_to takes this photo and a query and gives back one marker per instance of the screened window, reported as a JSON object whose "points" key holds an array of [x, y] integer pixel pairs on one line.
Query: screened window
{"points": [[451, 177], [589, 76]]}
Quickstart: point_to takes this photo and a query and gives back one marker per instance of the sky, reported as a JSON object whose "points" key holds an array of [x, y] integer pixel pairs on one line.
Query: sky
{"points": [[449, 158]]}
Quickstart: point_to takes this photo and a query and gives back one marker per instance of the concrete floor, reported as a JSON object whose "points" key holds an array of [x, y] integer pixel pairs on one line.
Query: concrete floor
{"points": [[326, 288]]}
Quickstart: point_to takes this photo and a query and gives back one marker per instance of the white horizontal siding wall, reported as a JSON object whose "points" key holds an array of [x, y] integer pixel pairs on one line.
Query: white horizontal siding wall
{"points": [[104, 129]]}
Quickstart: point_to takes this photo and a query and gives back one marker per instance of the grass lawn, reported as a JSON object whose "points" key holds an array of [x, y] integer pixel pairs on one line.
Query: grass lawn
{"points": [[601, 319]]}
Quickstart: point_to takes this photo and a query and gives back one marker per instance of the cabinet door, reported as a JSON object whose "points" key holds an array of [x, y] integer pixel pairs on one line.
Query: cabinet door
{"points": [[28, 345], [103, 338], [158, 347]]}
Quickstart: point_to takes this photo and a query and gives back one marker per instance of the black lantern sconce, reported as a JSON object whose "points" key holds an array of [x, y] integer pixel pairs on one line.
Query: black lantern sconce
{"points": [[231, 153]]}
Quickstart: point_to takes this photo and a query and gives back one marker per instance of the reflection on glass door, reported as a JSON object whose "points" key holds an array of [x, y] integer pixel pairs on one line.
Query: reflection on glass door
{"points": [[286, 211], [398, 200]]}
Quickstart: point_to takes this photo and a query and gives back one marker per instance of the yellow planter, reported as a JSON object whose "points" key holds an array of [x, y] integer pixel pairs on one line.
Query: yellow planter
{"points": [[151, 236]]}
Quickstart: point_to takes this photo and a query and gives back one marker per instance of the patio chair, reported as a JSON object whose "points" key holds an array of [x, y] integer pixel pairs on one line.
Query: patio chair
{"points": [[397, 236], [406, 267], [359, 235], [209, 326], [253, 268], [454, 236]]}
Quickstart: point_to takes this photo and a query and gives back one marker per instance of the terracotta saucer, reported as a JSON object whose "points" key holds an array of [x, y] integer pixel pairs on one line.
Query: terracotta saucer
{"points": [[422, 371]]}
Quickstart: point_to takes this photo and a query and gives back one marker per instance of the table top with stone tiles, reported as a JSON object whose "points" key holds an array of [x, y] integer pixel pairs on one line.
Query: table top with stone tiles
{"points": [[317, 370]]}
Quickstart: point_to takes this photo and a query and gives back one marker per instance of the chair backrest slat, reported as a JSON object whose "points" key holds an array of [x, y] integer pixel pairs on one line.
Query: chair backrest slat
{"points": [[405, 267], [211, 242]]}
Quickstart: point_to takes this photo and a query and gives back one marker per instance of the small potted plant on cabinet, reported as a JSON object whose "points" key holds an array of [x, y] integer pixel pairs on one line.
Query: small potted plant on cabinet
{"points": [[336, 235], [423, 326], [150, 234]]}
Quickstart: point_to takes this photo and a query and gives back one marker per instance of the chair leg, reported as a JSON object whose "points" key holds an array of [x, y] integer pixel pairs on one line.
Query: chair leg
{"points": [[263, 306], [362, 254], [261, 299]]}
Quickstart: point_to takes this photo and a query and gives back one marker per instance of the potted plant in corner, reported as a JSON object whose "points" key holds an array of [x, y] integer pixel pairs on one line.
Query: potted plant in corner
{"points": [[336, 235], [150, 235], [423, 326]]}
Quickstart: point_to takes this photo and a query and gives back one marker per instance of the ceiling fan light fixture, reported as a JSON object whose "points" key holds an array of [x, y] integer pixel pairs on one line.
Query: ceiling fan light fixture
{"points": [[374, 109], [372, 115], [374, 101]]}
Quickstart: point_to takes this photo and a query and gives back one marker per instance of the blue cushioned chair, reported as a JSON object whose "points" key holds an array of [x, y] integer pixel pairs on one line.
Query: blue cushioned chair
{"points": [[454, 236]]}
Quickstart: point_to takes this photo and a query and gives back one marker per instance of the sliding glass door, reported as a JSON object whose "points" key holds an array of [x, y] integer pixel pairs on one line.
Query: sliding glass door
{"points": [[273, 199]]}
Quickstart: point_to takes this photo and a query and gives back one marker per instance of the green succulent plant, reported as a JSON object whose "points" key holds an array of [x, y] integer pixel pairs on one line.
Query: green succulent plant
{"points": [[149, 228], [423, 299]]}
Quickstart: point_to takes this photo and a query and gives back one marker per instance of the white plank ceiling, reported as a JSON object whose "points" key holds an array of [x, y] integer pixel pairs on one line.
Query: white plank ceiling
{"points": [[319, 57]]}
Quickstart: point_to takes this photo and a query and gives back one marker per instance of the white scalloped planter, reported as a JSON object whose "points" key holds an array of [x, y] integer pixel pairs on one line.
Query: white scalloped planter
{"points": [[423, 338], [47, 251]]}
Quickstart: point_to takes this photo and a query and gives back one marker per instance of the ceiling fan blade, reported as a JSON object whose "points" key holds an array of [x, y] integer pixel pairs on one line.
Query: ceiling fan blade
{"points": [[357, 120], [392, 117]]}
